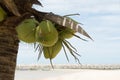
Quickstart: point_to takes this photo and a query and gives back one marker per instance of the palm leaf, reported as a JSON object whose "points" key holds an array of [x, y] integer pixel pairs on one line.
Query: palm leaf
{"points": [[67, 22], [10, 4], [62, 21]]}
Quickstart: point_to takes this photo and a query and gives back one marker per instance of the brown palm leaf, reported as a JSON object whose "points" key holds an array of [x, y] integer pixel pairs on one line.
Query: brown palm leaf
{"points": [[11, 6], [67, 22]]}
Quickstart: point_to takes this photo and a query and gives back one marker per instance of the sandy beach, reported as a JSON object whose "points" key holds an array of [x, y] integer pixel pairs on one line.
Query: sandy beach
{"points": [[68, 74]]}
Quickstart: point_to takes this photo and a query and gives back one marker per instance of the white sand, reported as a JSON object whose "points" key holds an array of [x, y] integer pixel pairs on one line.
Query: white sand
{"points": [[69, 74]]}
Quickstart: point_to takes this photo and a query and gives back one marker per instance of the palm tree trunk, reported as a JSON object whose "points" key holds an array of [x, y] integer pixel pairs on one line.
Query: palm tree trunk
{"points": [[8, 51]]}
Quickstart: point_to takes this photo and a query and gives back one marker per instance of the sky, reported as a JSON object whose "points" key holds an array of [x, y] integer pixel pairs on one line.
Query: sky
{"points": [[100, 19]]}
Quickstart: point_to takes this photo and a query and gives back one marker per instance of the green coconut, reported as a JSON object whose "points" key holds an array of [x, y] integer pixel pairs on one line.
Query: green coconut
{"points": [[3, 14], [66, 33], [52, 51], [46, 33], [26, 30]]}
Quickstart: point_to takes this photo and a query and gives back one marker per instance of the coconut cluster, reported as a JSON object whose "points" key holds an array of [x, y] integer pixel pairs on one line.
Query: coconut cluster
{"points": [[46, 34], [49, 37]]}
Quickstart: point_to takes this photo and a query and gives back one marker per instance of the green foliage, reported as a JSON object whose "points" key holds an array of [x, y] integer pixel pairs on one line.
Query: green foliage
{"points": [[3, 14]]}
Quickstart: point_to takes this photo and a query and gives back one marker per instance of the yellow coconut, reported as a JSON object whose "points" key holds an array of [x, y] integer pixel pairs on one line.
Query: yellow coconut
{"points": [[26, 30], [46, 33]]}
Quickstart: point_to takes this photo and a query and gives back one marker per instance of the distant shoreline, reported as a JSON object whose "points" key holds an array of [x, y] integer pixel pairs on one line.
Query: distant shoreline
{"points": [[68, 66]]}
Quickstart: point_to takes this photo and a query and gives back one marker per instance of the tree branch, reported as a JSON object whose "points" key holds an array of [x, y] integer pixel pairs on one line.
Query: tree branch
{"points": [[59, 20]]}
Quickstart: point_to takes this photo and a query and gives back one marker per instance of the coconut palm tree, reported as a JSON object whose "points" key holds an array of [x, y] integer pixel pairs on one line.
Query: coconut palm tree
{"points": [[16, 12]]}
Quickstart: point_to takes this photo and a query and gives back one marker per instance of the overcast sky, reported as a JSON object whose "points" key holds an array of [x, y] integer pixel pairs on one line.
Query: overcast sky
{"points": [[101, 19]]}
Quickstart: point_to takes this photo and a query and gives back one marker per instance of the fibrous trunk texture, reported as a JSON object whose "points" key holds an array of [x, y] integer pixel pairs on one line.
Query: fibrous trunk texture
{"points": [[8, 52]]}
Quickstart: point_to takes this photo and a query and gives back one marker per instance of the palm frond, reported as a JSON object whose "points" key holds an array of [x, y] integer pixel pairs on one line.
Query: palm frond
{"points": [[50, 55], [65, 52], [79, 37], [66, 22], [71, 15], [39, 48], [72, 52]]}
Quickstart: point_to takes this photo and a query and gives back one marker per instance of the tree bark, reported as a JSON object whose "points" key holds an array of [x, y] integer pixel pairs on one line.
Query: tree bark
{"points": [[8, 50], [8, 37]]}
